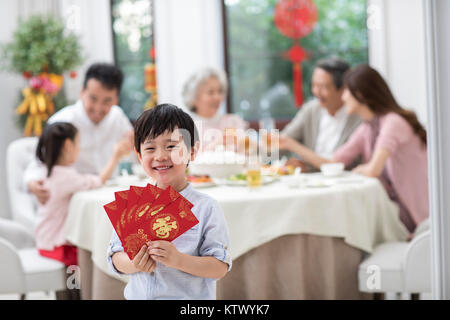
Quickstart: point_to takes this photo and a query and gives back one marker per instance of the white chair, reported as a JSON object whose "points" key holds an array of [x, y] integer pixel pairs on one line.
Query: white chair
{"points": [[399, 267], [19, 154], [22, 269]]}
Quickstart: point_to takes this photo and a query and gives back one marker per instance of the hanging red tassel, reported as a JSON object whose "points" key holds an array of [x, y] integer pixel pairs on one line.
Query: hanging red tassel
{"points": [[296, 19], [296, 55], [298, 87]]}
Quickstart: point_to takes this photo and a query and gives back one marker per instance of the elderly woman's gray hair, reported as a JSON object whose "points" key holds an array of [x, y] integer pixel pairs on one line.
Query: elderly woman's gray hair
{"points": [[193, 83]]}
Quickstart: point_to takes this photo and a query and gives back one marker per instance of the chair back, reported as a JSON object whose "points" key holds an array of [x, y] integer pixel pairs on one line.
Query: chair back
{"points": [[11, 273], [23, 204], [417, 264]]}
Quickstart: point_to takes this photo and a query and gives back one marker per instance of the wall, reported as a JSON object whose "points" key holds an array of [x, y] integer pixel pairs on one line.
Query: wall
{"points": [[437, 24], [91, 21], [397, 50], [9, 92]]}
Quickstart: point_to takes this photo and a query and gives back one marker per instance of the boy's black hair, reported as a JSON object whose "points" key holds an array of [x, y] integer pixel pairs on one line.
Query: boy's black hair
{"points": [[109, 75], [51, 142], [164, 117]]}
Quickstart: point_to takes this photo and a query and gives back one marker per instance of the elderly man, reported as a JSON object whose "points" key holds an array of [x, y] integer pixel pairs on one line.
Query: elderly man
{"points": [[101, 124], [322, 124]]}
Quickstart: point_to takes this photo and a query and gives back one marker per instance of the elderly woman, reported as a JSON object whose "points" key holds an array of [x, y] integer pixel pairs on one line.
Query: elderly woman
{"points": [[203, 93]]}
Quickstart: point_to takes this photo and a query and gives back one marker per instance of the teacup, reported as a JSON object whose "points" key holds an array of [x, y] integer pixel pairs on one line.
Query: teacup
{"points": [[332, 169]]}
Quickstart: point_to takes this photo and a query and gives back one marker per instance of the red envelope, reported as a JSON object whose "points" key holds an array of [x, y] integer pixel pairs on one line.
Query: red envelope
{"points": [[150, 201], [166, 196], [149, 195], [117, 210], [134, 195], [150, 214], [121, 198], [166, 224], [151, 192], [114, 213], [171, 222], [121, 204]]}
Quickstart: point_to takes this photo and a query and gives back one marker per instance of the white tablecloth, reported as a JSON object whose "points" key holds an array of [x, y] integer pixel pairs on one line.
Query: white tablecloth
{"points": [[357, 210]]}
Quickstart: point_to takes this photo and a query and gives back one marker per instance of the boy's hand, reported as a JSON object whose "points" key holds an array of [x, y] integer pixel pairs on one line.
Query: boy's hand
{"points": [[166, 253], [143, 262]]}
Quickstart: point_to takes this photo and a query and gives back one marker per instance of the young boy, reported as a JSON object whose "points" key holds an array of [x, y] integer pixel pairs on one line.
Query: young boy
{"points": [[186, 268]]}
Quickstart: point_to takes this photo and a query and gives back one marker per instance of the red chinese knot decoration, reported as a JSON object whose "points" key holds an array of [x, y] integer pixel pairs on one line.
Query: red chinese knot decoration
{"points": [[295, 19]]}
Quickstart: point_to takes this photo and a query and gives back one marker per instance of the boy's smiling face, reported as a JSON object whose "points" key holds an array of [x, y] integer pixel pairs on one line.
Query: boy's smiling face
{"points": [[165, 158]]}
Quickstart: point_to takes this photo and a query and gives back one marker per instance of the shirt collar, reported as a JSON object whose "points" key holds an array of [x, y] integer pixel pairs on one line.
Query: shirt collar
{"points": [[186, 190], [86, 118], [339, 115], [183, 192]]}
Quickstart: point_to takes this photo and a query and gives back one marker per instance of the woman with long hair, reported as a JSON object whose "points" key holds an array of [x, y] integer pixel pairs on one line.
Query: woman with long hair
{"points": [[391, 141]]}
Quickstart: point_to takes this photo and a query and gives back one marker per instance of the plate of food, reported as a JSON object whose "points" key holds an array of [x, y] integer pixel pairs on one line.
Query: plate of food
{"points": [[277, 171], [240, 179], [201, 181], [319, 183]]}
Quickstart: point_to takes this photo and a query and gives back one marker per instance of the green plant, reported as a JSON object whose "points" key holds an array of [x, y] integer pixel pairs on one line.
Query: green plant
{"points": [[41, 50], [41, 44]]}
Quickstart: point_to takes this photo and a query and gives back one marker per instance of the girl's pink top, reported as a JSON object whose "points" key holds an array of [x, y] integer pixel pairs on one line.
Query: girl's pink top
{"points": [[407, 165], [62, 184]]}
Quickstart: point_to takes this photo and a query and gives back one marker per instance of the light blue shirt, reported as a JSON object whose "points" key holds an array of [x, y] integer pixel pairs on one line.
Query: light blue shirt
{"points": [[208, 238]]}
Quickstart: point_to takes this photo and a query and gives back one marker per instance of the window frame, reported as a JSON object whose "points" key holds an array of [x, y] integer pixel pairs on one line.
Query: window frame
{"points": [[114, 47], [254, 124]]}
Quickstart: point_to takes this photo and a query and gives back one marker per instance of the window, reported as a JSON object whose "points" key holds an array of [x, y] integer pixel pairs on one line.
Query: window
{"points": [[260, 78], [132, 24]]}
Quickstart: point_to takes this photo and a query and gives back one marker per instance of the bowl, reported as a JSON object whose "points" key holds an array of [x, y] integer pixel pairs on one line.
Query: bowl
{"points": [[332, 169], [217, 164]]}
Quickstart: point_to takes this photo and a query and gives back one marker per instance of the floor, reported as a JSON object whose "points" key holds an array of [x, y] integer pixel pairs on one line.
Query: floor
{"points": [[51, 296], [41, 295]]}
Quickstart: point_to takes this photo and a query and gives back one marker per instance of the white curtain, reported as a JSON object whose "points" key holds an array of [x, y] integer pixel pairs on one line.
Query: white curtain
{"points": [[188, 35], [91, 21], [397, 50], [27, 8]]}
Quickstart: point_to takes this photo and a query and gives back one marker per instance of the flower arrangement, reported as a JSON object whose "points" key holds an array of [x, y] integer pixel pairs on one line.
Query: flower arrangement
{"points": [[41, 50]]}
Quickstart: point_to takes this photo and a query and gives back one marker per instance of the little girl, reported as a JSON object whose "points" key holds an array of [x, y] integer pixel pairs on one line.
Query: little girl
{"points": [[58, 149]]}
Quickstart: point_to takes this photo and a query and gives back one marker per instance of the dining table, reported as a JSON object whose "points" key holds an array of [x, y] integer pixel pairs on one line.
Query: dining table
{"points": [[301, 240]]}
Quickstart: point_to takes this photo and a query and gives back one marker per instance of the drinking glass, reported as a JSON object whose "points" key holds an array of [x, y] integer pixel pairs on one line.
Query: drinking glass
{"points": [[254, 178], [267, 123]]}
